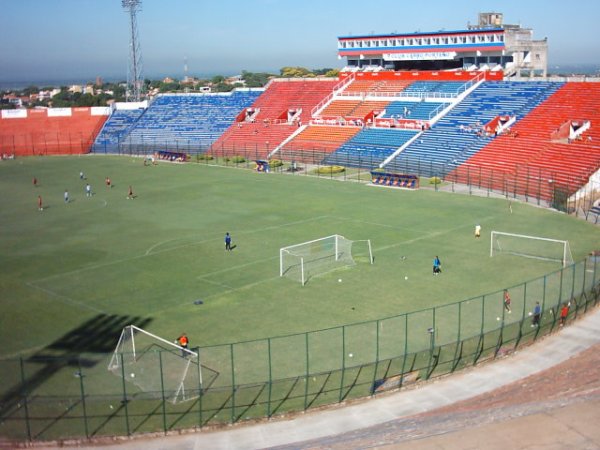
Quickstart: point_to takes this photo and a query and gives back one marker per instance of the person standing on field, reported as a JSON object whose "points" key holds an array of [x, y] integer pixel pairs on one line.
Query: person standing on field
{"points": [[227, 241], [40, 205], [477, 231], [183, 342], [537, 315], [437, 265], [88, 190], [66, 196]]}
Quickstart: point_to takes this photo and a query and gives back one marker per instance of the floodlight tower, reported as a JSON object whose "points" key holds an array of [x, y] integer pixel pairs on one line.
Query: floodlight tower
{"points": [[135, 81]]}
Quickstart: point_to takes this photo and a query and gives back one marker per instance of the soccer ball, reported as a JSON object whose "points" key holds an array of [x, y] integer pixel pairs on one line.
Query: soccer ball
{"points": [[497, 318], [339, 280], [530, 313], [133, 375], [406, 278], [350, 355]]}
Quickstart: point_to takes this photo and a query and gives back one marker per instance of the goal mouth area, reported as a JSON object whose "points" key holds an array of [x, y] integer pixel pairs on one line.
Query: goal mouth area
{"points": [[159, 368], [533, 247], [306, 260]]}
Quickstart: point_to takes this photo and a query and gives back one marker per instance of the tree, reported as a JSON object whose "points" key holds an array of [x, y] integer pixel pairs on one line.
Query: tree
{"points": [[255, 79], [295, 72], [218, 79]]}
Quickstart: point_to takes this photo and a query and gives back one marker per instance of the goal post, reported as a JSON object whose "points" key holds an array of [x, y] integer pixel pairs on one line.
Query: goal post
{"points": [[158, 367], [535, 247], [305, 260]]}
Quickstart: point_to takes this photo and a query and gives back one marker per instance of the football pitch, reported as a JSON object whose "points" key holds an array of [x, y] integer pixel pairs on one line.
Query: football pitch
{"points": [[160, 257], [76, 273]]}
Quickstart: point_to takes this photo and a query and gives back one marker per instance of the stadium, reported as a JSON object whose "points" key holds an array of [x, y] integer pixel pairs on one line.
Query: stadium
{"points": [[338, 193]]}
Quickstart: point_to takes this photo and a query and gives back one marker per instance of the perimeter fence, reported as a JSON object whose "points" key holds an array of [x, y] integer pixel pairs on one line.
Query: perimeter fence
{"points": [[556, 188], [50, 396]]}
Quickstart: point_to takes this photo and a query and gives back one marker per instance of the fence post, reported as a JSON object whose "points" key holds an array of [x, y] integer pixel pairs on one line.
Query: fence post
{"points": [[343, 362], [82, 390], [458, 339], [270, 378], [376, 357], [24, 395], [200, 388], [125, 396], [232, 383], [307, 372], [405, 349], [162, 391]]}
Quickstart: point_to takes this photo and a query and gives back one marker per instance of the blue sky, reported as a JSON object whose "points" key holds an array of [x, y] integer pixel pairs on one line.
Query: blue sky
{"points": [[68, 39]]}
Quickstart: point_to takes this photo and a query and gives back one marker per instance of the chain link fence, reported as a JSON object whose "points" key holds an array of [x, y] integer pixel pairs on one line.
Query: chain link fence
{"points": [[76, 397]]}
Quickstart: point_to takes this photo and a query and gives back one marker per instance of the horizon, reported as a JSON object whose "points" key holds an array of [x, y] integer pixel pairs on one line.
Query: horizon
{"points": [[571, 69], [81, 40]]}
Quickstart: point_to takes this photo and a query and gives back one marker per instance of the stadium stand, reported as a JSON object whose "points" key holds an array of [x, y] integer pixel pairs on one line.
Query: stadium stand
{"points": [[315, 142], [116, 129], [370, 147], [458, 135], [187, 120], [50, 131], [413, 110], [273, 117], [530, 160]]}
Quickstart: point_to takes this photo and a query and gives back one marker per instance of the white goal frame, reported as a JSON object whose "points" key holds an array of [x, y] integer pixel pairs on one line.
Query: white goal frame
{"points": [[289, 250], [128, 333], [567, 257]]}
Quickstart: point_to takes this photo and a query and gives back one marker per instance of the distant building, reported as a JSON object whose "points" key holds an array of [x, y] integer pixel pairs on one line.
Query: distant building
{"points": [[489, 45], [76, 88]]}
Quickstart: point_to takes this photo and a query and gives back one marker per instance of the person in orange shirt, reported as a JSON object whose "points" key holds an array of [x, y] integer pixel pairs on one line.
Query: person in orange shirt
{"points": [[183, 342]]}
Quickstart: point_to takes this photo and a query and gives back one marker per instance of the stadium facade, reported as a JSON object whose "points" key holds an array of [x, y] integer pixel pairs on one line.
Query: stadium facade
{"points": [[489, 45]]}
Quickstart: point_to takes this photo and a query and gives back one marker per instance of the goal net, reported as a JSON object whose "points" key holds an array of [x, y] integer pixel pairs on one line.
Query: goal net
{"points": [[531, 247], [161, 369], [303, 261]]}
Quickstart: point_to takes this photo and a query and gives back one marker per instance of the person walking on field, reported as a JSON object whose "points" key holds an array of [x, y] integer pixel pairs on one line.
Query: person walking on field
{"points": [[477, 231], [227, 241], [40, 205], [66, 196], [564, 313], [130, 195], [507, 300], [88, 190]]}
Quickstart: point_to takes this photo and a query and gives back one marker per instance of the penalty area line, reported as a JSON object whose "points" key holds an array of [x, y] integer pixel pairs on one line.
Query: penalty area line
{"points": [[64, 298]]}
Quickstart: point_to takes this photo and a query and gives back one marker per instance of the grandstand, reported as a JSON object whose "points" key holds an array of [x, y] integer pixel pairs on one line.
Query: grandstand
{"points": [[186, 121], [531, 159], [459, 134], [53, 131], [116, 129], [370, 147], [273, 118]]}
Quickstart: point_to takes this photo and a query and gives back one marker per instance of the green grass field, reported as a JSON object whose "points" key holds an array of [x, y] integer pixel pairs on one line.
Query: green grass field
{"points": [[153, 256], [73, 275]]}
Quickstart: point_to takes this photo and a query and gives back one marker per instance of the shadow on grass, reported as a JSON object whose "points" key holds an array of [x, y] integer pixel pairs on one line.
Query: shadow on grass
{"points": [[97, 335]]}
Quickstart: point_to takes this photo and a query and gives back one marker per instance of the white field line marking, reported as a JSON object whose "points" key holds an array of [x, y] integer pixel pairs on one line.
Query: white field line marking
{"points": [[65, 299], [178, 247], [258, 230], [219, 294], [235, 268]]}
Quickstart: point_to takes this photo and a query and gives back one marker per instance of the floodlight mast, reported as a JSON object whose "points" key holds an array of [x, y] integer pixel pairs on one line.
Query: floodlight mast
{"points": [[134, 73]]}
